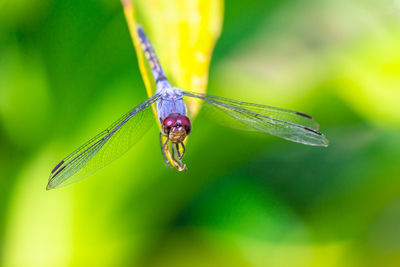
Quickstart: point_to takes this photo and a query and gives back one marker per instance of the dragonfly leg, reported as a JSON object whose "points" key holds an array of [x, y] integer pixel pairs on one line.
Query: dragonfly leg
{"points": [[181, 165], [173, 152], [177, 149], [163, 147], [184, 149], [164, 150], [179, 155]]}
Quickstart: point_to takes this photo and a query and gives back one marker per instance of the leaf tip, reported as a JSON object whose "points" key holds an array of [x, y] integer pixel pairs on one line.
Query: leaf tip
{"points": [[126, 3]]}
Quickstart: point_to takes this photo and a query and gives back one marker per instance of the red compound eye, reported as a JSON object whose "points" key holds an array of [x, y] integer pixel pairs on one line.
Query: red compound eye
{"points": [[174, 120], [182, 120], [169, 121]]}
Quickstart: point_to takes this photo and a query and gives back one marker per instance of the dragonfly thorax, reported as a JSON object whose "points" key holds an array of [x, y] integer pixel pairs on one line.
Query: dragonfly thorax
{"points": [[176, 126]]}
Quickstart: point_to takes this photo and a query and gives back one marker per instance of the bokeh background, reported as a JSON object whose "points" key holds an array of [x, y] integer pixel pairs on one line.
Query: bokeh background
{"points": [[68, 70]]}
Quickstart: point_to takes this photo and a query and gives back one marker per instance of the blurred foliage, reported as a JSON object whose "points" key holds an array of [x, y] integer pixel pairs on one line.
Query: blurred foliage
{"points": [[68, 69]]}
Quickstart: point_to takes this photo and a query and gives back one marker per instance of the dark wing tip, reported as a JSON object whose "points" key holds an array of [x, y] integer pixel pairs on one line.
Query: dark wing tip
{"points": [[325, 141], [304, 115], [58, 172], [312, 130], [57, 166], [49, 186]]}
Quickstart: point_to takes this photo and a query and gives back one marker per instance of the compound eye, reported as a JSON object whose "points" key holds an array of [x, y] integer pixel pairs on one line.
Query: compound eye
{"points": [[174, 120], [185, 122], [169, 121], [182, 120]]}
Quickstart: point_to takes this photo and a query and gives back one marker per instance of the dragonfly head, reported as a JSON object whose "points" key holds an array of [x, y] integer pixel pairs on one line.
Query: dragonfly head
{"points": [[176, 127]]}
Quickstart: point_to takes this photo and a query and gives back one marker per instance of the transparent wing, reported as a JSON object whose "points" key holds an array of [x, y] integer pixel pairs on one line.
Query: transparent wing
{"points": [[104, 147], [290, 125]]}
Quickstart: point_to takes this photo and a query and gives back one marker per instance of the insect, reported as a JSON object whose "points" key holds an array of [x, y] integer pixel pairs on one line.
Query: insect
{"points": [[176, 125]]}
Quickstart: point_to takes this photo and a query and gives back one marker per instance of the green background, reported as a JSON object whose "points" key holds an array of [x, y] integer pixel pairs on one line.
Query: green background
{"points": [[68, 70]]}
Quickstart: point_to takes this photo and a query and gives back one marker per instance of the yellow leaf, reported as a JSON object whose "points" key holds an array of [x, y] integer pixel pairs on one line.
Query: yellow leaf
{"points": [[184, 33]]}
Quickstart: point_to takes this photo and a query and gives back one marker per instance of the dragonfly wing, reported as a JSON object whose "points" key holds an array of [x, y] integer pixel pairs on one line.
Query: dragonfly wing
{"points": [[291, 125], [104, 147]]}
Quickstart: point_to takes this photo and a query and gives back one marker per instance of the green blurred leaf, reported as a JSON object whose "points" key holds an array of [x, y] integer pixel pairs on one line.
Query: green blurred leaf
{"points": [[24, 99]]}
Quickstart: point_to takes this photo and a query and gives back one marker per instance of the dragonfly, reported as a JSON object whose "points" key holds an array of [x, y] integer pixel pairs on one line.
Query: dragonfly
{"points": [[172, 114]]}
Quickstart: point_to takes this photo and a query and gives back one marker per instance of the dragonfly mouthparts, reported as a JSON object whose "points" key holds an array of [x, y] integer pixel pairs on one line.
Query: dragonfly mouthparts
{"points": [[177, 134]]}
